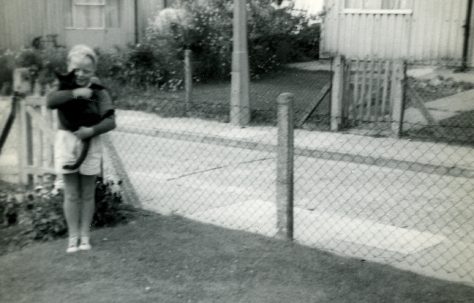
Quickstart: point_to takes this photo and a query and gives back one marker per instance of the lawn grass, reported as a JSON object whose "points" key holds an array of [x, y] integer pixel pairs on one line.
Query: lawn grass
{"points": [[171, 259], [211, 100]]}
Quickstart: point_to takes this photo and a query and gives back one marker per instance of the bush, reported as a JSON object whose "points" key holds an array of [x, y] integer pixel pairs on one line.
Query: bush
{"points": [[43, 217], [140, 66], [42, 63], [40, 212], [276, 36]]}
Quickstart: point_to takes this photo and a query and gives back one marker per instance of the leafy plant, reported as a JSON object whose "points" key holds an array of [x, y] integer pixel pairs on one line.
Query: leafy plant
{"points": [[140, 66], [40, 212], [110, 209], [275, 36], [43, 215]]}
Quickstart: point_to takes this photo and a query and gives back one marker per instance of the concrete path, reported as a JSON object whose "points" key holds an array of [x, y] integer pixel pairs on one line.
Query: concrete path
{"points": [[393, 211], [441, 109], [401, 152]]}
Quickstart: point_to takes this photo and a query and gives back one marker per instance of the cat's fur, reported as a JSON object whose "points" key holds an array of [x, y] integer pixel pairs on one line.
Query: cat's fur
{"points": [[77, 113]]}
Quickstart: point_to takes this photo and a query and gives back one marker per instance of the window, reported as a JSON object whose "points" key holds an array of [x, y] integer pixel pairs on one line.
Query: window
{"points": [[95, 14], [377, 4]]}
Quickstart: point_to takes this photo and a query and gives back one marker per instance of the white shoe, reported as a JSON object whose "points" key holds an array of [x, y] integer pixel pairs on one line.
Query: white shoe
{"points": [[72, 245], [85, 245]]}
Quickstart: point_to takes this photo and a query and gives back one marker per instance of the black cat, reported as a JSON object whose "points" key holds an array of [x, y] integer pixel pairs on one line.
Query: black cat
{"points": [[80, 112]]}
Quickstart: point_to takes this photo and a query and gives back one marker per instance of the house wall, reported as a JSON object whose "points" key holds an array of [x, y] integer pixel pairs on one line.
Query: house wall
{"points": [[23, 20], [430, 32], [109, 37]]}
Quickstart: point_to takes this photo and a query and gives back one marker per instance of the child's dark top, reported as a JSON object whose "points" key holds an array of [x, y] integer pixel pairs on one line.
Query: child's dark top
{"points": [[73, 113]]}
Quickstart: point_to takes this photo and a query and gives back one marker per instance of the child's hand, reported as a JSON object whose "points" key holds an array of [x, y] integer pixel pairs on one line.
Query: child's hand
{"points": [[82, 92], [84, 132]]}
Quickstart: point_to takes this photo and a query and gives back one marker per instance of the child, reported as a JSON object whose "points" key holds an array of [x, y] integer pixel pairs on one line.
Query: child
{"points": [[79, 184]]}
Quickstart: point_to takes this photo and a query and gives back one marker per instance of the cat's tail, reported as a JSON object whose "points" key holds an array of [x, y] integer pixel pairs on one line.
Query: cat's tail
{"points": [[85, 149]]}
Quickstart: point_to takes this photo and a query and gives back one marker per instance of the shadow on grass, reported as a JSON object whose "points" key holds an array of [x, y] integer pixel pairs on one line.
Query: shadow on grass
{"points": [[171, 259]]}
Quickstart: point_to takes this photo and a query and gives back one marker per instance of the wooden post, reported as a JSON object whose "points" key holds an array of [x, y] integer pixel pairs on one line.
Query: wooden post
{"points": [[285, 152], [21, 86], [398, 97], [337, 93], [47, 159], [37, 152], [188, 80], [239, 101], [29, 138], [22, 143]]}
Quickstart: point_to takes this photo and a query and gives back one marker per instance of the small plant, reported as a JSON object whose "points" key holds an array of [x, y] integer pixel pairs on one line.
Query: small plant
{"points": [[39, 212], [110, 209], [9, 209], [43, 215]]}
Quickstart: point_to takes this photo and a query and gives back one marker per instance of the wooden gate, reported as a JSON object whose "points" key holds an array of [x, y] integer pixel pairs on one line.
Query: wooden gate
{"points": [[367, 91], [36, 126]]}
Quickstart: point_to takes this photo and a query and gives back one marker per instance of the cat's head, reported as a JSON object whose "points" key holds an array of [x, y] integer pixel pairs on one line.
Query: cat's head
{"points": [[66, 81]]}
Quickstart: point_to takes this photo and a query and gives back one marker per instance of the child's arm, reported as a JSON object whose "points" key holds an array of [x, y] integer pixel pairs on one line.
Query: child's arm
{"points": [[57, 98], [106, 108]]}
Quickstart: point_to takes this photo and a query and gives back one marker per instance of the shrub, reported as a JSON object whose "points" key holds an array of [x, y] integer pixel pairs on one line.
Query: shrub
{"points": [[53, 60], [43, 217], [110, 209], [42, 63], [40, 212], [140, 66], [276, 36]]}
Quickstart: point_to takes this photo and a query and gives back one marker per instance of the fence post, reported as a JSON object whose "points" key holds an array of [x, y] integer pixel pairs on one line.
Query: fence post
{"points": [[285, 151], [188, 80], [21, 86], [398, 97], [337, 93]]}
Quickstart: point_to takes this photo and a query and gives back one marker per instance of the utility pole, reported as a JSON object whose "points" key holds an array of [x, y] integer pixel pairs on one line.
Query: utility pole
{"points": [[239, 102]]}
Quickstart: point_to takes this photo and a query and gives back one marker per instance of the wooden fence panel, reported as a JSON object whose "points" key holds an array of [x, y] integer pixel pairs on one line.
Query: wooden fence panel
{"points": [[372, 91], [36, 131]]}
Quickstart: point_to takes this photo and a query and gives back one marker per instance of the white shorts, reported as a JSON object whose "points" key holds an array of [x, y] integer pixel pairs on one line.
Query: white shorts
{"points": [[67, 148]]}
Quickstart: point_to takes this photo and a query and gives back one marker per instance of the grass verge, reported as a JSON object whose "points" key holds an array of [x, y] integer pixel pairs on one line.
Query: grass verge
{"points": [[171, 259], [211, 100]]}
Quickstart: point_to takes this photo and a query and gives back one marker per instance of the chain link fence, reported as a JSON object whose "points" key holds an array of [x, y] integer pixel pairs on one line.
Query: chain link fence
{"points": [[407, 202], [360, 192]]}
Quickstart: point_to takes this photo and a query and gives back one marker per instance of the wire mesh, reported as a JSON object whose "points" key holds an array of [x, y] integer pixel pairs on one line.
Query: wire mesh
{"points": [[408, 201], [361, 192]]}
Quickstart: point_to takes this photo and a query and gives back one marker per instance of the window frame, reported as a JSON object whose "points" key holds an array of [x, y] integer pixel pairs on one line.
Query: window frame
{"points": [[76, 3], [377, 11], [365, 11]]}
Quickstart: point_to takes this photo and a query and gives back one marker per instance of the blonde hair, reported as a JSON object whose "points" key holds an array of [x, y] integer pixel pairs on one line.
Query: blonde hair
{"points": [[81, 51]]}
